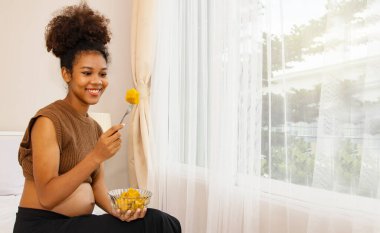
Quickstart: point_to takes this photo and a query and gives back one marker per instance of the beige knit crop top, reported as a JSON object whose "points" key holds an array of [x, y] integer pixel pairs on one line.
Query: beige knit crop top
{"points": [[76, 137]]}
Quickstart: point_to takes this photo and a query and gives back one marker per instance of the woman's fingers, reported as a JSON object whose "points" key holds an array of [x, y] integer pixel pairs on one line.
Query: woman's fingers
{"points": [[111, 131], [113, 137], [142, 213], [130, 215], [127, 216]]}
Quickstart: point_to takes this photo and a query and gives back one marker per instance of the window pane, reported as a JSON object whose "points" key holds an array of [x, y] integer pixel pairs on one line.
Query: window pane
{"points": [[320, 99]]}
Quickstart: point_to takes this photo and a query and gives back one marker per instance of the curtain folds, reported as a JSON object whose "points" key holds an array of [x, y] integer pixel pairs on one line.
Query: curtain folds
{"points": [[142, 58], [265, 117], [204, 75]]}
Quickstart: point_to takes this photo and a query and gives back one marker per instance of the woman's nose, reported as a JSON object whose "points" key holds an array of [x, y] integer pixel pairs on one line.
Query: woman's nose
{"points": [[96, 80]]}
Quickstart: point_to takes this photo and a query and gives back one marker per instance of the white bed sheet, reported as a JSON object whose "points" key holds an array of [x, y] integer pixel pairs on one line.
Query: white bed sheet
{"points": [[8, 209]]}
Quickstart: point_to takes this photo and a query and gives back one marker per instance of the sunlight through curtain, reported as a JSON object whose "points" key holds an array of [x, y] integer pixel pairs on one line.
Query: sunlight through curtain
{"points": [[208, 64], [265, 116]]}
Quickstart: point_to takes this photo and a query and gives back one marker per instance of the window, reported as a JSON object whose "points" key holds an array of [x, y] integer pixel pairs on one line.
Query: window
{"points": [[286, 94], [320, 124]]}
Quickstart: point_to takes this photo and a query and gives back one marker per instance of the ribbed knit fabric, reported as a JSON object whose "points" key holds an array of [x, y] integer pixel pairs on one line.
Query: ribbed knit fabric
{"points": [[76, 137]]}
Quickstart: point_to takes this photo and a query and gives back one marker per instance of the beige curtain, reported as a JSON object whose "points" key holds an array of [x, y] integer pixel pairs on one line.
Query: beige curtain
{"points": [[142, 57]]}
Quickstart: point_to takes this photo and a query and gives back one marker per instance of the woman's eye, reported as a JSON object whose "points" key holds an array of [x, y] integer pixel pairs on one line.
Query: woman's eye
{"points": [[103, 75], [86, 73]]}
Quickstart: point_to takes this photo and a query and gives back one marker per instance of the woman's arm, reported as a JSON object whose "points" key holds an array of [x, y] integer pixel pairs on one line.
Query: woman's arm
{"points": [[46, 162], [101, 192]]}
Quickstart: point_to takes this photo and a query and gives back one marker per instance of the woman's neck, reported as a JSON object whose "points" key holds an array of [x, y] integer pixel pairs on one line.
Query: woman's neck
{"points": [[78, 106]]}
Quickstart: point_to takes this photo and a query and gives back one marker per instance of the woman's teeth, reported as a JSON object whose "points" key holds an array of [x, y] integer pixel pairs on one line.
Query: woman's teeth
{"points": [[94, 91]]}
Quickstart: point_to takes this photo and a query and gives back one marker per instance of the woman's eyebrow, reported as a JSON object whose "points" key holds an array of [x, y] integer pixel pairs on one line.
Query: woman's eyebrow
{"points": [[89, 67], [86, 67]]}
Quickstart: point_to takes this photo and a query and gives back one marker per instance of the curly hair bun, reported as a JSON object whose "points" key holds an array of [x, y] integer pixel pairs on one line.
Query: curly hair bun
{"points": [[75, 25]]}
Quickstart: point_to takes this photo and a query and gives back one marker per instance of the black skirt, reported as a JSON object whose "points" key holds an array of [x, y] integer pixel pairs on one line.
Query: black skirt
{"points": [[43, 221]]}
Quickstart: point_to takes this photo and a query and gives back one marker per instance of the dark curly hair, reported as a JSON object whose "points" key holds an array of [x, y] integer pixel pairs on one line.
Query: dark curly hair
{"points": [[75, 29]]}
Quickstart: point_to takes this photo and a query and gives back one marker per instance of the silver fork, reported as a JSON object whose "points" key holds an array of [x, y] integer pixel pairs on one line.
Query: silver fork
{"points": [[129, 109]]}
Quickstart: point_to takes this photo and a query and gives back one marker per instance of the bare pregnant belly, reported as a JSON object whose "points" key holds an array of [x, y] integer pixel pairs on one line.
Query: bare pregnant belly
{"points": [[80, 202]]}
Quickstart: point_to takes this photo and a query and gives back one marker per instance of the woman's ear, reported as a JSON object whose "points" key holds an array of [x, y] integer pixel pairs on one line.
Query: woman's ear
{"points": [[66, 74]]}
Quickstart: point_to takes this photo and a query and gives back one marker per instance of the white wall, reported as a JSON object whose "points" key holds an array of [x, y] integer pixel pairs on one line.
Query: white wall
{"points": [[30, 77]]}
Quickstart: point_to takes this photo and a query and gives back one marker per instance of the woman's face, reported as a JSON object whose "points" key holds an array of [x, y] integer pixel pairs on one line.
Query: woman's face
{"points": [[88, 79]]}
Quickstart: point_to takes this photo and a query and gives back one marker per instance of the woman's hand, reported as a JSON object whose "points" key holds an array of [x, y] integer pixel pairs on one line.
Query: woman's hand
{"points": [[129, 215], [108, 144]]}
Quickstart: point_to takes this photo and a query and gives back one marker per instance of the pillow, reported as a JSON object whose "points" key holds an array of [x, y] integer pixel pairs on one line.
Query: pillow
{"points": [[102, 118], [11, 177]]}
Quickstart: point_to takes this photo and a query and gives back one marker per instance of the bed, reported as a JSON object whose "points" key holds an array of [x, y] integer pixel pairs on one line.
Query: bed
{"points": [[12, 180]]}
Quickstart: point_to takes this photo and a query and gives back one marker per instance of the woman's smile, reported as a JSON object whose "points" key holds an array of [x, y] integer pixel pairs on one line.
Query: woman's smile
{"points": [[94, 91]]}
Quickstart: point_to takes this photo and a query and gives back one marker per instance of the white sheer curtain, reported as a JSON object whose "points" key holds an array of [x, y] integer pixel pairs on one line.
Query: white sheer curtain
{"points": [[207, 66], [265, 116]]}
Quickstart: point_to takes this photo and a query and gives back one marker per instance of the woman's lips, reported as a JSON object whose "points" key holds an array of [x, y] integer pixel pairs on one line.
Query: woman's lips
{"points": [[94, 91]]}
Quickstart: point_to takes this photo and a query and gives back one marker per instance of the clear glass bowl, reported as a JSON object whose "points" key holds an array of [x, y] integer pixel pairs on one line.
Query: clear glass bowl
{"points": [[124, 203]]}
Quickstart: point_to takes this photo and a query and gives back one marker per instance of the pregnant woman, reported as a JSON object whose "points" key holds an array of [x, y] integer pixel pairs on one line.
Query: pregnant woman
{"points": [[63, 149]]}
